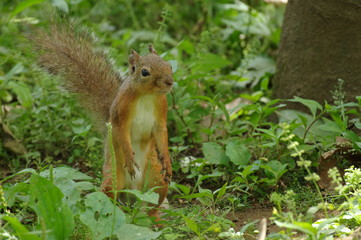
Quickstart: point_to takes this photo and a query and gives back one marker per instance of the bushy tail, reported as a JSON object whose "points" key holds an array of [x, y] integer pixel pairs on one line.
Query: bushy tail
{"points": [[71, 51]]}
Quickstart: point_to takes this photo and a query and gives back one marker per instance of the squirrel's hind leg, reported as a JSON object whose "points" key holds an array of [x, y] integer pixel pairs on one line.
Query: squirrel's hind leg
{"points": [[153, 177]]}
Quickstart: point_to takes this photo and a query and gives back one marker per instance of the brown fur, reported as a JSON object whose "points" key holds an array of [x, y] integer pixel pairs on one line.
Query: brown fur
{"points": [[70, 52]]}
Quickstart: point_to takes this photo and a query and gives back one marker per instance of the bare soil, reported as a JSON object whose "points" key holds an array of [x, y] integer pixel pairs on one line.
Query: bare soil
{"points": [[253, 213]]}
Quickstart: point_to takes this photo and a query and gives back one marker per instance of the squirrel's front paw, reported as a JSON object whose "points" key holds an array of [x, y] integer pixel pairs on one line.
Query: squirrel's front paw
{"points": [[129, 165]]}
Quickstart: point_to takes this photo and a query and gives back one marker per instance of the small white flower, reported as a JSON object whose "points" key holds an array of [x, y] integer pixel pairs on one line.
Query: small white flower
{"points": [[189, 161]]}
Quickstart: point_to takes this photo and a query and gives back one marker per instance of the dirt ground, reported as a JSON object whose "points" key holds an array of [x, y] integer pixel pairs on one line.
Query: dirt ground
{"points": [[253, 213]]}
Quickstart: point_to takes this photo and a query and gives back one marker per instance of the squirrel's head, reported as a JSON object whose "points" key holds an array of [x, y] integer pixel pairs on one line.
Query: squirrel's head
{"points": [[150, 72]]}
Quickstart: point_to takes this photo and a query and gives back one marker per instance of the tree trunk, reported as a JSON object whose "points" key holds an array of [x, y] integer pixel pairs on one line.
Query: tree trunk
{"points": [[320, 43]]}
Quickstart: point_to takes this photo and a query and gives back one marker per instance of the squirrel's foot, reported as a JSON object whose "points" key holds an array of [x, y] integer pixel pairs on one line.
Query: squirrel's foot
{"points": [[166, 168], [129, 165]]}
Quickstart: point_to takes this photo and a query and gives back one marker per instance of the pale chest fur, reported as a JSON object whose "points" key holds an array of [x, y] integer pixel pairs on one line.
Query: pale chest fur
{"points": [[144, 118], [141, 136]]}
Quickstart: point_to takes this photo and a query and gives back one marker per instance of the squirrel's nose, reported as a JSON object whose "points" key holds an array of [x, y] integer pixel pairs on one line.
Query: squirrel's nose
{"points": [[168, 81]]}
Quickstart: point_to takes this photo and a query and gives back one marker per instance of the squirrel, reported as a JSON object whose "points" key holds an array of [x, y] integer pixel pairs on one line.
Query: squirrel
{"points": [[136, 106]]}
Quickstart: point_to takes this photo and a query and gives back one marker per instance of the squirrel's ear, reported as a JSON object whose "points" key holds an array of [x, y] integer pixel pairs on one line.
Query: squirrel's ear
{"points": [[151, 49], [133, 59]]}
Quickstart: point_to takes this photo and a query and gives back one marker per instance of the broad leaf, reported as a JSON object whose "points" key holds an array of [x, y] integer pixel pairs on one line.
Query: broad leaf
{"points": [[221, 192], [133, 232], [238, 153], [66, 172], [23, 5], [61, 4], [300, 226], [47, 201], [192, 225], [22, 232], [210, 62], [101, 216], [148, 196], [23, 93], [311, 104], [21, 189], [214, 153]]}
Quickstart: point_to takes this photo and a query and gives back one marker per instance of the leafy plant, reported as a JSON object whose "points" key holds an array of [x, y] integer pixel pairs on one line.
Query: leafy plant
{"points": [[61, 201]]}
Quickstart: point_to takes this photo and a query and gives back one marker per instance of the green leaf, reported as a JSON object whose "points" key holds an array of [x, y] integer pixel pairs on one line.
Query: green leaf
{"points": [[247, 170], [304, 120], [187, 46], [66, 172], [27, 170], [225, 111], [221, 192], [353, 137], [267, 132], [20, 229], [85, 186], [358, 125], [212, 228], [192, 225], [148, 196], [133, 232], [214, 153], [239, 179], [183, 188], [203, 177], [47, 201], [238, 153], [330, 126], [207, 194], [264, 84], [239, 6], [69, 190], [259, 25], [205, 98], [300, 226], [325, 222], [210, 62], [275, 167], [258, 67], [245, 227], [101, 216], [23, 5], [80, 129], [358, 144], [61, 4], [311, 104], [18, 68], [18, 189], [174, 65], [23, 93], [92, 141]]}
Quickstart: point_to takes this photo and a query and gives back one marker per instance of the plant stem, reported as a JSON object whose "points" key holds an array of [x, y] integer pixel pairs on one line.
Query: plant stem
{"points": [[114, 172], [314, 120]]}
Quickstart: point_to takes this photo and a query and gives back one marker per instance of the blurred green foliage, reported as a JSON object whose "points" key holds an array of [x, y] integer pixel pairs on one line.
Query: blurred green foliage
{"points": [[218, 49]]}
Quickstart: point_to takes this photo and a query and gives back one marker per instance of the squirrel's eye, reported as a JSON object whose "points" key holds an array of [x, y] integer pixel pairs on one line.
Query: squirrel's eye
{"points": [[145, 72]]}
